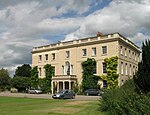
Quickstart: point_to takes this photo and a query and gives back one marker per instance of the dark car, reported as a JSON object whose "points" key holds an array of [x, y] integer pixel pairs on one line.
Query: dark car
{"points": [[64, 94], [93, 92]]}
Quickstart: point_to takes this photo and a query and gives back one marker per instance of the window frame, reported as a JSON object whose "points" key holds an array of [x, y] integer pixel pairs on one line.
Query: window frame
{"points": [[104, 50]]}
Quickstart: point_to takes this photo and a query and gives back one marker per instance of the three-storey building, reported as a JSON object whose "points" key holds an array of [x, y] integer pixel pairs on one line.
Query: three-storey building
{"points": [[66, 58]]}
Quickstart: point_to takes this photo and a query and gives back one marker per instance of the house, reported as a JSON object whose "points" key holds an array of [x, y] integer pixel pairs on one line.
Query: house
{"points": [[66, 58]]}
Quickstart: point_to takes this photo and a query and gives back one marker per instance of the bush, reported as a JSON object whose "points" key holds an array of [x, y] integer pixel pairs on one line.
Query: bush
{"points": [[125, 101], [44, 86]]}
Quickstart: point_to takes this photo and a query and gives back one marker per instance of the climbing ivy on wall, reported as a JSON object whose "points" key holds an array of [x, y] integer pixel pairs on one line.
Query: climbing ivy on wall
{"points": [[89, 79], [111, 77]]}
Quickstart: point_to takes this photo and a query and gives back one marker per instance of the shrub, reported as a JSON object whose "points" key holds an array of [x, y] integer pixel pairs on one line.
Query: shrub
{"points": [[125, 101]]}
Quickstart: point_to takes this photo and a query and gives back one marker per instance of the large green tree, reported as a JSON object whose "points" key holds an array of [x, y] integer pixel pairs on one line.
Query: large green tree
{"points": [[142, 78], [34, 77], [4, 79], [89, 79], [20, 83], [24, 70], [111, 77]]}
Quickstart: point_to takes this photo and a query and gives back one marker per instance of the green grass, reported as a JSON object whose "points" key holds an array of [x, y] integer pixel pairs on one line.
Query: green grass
{"points": [[28, 106]]}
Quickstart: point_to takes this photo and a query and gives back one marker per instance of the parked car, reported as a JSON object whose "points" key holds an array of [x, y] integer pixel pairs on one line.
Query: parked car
{"points": [[64, 94], [34, 91], [93, 92]]}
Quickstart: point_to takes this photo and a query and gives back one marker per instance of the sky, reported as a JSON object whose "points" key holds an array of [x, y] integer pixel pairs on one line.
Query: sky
{"points": [[25, 24]]}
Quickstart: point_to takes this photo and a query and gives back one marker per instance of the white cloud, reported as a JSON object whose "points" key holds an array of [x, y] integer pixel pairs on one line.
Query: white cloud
{"points": [[126, 17], [25, 23]]}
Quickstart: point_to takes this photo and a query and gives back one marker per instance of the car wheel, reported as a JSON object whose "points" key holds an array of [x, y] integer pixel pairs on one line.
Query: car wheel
{"points": [[87, 94], [73, 97]]}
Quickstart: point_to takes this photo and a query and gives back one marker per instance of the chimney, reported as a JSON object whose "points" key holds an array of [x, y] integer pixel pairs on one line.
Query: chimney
{"points": [[99, 34]]}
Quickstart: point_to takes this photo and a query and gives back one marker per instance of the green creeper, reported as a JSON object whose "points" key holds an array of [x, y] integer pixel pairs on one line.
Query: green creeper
{"points": [[111, 77]]}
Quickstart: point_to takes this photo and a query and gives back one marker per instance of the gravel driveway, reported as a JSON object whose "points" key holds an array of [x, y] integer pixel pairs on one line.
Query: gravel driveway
{"points": [[46, 96]]}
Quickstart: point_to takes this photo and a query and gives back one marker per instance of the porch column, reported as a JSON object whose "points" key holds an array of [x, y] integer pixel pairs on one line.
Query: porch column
{"points": [[58, 86], [63, 85], [69, 84], [52, 88]]}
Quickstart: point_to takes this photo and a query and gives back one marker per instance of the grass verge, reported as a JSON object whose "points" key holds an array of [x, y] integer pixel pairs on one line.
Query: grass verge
{"points": [[28, 106]]}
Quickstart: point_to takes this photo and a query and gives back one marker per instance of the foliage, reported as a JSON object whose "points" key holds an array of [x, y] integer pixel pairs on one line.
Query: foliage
{"points": [[34, 77], [43, 85], [125, 101], [23, 71], [20, 83], [49, 72], [111, 77], [89, 79], [142, 78], [4, 79]]}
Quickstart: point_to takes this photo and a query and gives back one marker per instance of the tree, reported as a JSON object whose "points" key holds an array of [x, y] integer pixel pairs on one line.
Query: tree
{"points": [[49, 72], [20, 83], [4, 79], [34, 77], [142, 77], [111, 77], [89, 79], [24, 70]]}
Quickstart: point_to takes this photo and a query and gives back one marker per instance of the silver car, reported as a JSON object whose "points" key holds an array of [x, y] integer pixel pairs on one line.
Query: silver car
{"points": [[34, 91]]}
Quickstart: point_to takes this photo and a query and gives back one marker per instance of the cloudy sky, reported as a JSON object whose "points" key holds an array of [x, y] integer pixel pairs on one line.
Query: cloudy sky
{"points": [[25, 24]]}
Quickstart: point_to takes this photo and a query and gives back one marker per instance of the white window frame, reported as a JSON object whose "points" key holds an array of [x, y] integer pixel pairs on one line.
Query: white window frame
{"points": [[84, 52], [53, 56], [67, 54], [40, 57], [46, 57], [121, 52], [94, 51], [104, 50], [125, 52], [121, 67], [126, 66]]}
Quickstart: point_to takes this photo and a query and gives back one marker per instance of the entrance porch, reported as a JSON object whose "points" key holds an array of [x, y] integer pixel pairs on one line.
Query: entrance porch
{"points": [[62, 82]]}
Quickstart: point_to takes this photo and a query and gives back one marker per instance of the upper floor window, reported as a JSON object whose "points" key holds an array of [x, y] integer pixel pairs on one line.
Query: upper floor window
{"points": [[121, 50], [46, 57], [104, 49], [121, 67], [63, 72], [129, 54], [126, 69], [67, 54], [135, 57], [84, 52], [104, 67], [93, 51], [72, 69], [40, 57], [132, 55], [53, 56], [130, 70], [125, 52]]}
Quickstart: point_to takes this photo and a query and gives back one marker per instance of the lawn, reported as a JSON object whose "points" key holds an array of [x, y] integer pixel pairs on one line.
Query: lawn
{"points": [[28, 106]]}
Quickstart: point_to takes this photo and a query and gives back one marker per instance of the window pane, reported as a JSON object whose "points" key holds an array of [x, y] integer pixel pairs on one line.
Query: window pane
{"points": [[83, 52], [53, 56], [67, 54], [104, 67], [93, 51], [40, 57], [46, 56], [104, 49]]}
